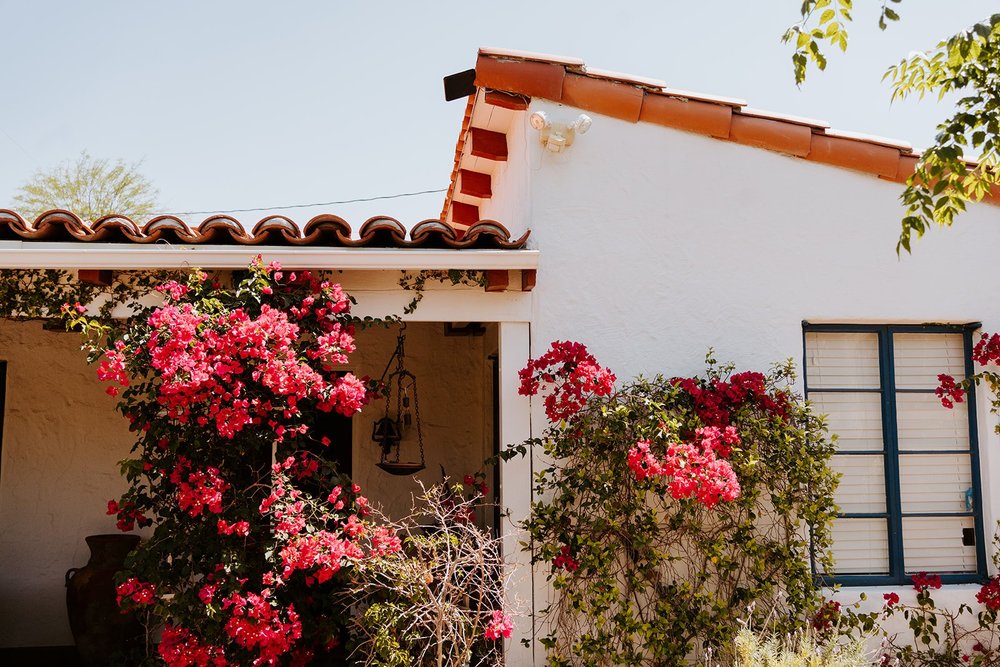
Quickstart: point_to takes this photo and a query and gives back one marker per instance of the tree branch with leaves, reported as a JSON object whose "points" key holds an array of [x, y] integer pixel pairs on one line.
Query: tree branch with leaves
{"points": [[961, 166]]}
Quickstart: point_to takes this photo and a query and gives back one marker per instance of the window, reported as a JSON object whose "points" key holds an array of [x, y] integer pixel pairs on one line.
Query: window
{"points": [[910, 494]]}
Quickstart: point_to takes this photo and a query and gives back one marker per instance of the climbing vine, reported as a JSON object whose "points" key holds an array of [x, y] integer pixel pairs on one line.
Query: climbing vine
{"points": [[28, 294], [677, 505], [417, 282]]}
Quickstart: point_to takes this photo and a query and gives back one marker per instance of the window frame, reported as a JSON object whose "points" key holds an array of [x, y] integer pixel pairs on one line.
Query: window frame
{"points": [[890, 442]]}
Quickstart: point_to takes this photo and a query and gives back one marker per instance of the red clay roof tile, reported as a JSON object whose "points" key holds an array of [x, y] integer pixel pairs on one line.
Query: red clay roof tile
{"points": [[611, 98], [774, 135], [511, 75], [322, 230], [852, 154], [688, 115]]}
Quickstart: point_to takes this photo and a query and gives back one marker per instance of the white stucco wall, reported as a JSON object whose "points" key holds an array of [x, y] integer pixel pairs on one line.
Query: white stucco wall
{"points": [[62, 441], [61, 444], [657, 244], [454, 408]]}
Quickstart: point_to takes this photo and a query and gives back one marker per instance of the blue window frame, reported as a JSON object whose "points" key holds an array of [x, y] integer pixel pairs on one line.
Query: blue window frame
{"points": [[928, 521]]}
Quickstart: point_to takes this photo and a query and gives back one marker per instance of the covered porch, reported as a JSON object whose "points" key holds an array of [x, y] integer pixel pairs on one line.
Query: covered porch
{"points": [[62, 438]]}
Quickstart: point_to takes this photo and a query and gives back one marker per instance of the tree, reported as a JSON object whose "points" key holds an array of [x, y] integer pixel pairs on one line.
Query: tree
{"points": [[91, 188], [968, 63]]}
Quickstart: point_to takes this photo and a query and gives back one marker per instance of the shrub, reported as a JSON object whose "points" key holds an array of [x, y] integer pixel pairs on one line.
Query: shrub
{"points": [[671, 506], [439, 600]]}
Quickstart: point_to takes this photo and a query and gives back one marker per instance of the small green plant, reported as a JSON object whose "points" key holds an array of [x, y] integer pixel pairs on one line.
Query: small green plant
{"points": [[417, 282], [802, 649]]}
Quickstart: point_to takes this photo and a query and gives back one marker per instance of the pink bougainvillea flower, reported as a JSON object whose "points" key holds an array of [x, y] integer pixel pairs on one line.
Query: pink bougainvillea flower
{"points": [[501, 625]]}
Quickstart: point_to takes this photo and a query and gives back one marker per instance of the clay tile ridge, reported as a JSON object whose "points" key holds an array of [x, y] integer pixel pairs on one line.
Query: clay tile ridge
{"points": [[323, 230], [639, 99]]}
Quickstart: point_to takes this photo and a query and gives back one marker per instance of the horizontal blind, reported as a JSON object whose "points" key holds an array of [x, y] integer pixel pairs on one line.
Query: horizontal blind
{"points": [[934, 482], [918, 358], [860, 546], [842, 360], [934, 544], [855, 418], [862, 485], [922, 423]]}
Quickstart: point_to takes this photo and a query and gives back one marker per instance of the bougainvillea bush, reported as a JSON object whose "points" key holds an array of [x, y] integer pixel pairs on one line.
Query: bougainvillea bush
{"points": [[674, 509], [440, 599], [253, 529]]}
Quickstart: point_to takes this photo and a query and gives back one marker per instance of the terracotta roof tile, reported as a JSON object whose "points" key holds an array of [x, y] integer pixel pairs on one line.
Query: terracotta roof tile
{"points": [[512, 78], [775, 135], [530, 55], [853, 154], [322, 230], [611, 98], [704, 97], [643, 81], [688, 115], [785, 118]]}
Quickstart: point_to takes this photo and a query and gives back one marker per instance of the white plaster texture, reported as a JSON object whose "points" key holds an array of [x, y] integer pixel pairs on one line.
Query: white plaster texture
{"points": [[656, 244], [62, 440]]}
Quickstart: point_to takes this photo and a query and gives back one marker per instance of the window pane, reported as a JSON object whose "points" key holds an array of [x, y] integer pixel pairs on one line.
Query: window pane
{"points": [[934, 544], [842, 360], [934, 482], [920, 357], [860, 546], [923, 423], [855, 418], [862, 487]]}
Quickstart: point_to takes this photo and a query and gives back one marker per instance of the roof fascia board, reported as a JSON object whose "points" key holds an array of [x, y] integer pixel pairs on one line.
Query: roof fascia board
{"points": [[28, 255]]}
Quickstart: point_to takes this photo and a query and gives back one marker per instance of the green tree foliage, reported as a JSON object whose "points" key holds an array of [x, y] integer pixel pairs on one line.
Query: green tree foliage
{"points": [[967, 63], [91, 188]]}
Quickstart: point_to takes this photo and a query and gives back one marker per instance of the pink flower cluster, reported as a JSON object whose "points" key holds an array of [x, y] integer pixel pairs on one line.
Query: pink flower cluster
{"points": [[135, 592], [201, 490], [696, 469], [500, 626], [233, 370], [180, 648], [112, 369], [256, 625], [573, 374], [241, 528]]}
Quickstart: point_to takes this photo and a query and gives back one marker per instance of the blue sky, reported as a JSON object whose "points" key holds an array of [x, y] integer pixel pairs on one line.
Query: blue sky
{"points": [[237, 104]]}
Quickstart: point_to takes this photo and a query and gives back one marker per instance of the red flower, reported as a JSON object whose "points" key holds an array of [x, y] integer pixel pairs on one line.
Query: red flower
{"points": [[573, 373], [890, 599], [989, 595], [922, 581]]}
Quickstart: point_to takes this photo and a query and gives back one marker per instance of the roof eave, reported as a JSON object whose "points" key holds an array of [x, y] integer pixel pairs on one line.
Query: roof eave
{"points": [[125, 256]]}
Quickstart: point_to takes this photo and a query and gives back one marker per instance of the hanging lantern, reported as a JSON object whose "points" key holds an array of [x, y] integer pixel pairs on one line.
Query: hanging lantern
{"points": [[387, 432]]}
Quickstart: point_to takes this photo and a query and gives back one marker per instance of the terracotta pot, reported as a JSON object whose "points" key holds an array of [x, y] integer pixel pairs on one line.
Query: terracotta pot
{"points": [[103, 634]]}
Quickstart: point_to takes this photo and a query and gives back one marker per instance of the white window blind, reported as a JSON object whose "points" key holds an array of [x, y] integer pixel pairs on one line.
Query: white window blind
{"points": [[905, 461]]}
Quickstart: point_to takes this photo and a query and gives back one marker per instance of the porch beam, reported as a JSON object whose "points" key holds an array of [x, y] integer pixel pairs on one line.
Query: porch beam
{"points": [[123, 256]]}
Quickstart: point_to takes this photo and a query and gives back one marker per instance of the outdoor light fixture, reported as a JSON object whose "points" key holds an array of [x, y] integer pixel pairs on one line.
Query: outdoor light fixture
{"points": [[558, 136], [387, 432]]}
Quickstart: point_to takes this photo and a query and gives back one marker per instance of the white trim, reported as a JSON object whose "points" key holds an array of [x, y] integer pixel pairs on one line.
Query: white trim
{"points": [[516, 478], [447, 306], [28, 255]]}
